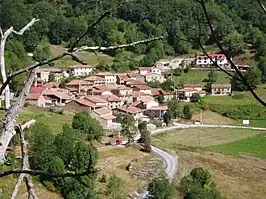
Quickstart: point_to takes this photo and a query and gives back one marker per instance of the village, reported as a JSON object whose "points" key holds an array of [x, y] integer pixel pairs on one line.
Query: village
{"points": [[106, 94]]}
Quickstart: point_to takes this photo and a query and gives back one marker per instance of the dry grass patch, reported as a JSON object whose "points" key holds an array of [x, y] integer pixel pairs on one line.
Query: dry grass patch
{"points": [[201, 137], [210, 117], [242, 177], [114, 162]]}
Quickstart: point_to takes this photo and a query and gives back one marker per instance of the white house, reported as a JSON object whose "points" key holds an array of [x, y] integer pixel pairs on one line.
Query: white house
{"points": [[205, 61], [151, 77], [221, 89], [156, 70], [110, 78], [80, 70]]}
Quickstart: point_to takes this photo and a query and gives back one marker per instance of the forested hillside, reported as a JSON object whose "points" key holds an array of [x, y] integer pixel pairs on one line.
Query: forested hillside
{"points": [[239, 25]]}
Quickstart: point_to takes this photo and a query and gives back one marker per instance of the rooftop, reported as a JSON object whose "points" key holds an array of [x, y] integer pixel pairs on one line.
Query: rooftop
{"points": [[159, 108], [33, 96], [221, 85], [50, 69], [76, 82], [144, 68], [51, 84], [135, 82], [95, 99], [213, 55], [80, 66], [93, 78], [105, 74], [130, 109], [103, 111], [142, 87], [85, 102], [37, 89]]}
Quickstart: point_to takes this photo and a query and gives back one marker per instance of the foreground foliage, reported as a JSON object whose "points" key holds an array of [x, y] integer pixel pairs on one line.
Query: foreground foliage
{"points": [[65, 152], [198, 185]]}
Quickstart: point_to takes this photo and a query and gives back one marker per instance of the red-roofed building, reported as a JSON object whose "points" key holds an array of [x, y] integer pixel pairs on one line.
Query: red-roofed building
{"points": [[193, 86], [142, 88], [95, 80], [104, 116], [156, 92], [187, 94], [131, 110], [144, 70], [80, 85], [57, 97], [156, 112], [51, 85], [37, 89], [97, 100], [221, 89], [113, 101], [132, 83], [36, 99], [207, 61]]}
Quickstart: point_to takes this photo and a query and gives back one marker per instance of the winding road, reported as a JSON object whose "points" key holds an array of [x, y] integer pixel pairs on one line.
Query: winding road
{"points": [[171, 160]]}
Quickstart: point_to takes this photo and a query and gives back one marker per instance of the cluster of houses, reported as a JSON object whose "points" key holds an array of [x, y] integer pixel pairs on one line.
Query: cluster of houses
{"points": [[106, 94], [103, 94]]}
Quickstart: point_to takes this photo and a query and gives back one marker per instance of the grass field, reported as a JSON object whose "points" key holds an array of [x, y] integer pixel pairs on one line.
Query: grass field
{"points": [[54, 120], [198, 77], [255, 146], [235, 177], [89, 58], [201, 137]]}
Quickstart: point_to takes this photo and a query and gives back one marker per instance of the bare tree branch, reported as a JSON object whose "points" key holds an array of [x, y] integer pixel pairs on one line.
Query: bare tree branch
{"points": [[262, 6], [102, 49], [1, 32], [202, 3], [2, 55], [21, 32], [11, 115], [25, 166]]}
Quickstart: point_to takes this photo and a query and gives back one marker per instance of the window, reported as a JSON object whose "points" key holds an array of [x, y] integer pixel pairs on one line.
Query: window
{"points": [[38, 75]]}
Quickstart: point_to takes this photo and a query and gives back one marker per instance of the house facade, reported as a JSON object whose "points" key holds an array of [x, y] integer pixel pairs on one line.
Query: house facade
{"points": [[151, 77], [221, 89], [104, 116], [205, 61], [156, 112], [131, 110], [36, 99], [42, 74], [110, 78], [80, 70]]}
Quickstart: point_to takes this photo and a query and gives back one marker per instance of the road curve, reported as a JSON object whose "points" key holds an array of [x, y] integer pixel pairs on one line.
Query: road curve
{"points": [[171, 162]]}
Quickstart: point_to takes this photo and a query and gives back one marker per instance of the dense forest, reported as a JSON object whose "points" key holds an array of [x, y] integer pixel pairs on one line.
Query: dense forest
{"points": [[239, 25]]}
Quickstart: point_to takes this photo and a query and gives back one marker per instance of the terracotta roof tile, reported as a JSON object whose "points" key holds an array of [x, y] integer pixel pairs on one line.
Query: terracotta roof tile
{"points": [[33, 96], [221, 85], [130, 109], [163, 108], [37, 89]]}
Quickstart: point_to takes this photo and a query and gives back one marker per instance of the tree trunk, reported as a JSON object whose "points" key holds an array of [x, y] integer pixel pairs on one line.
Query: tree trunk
{"points": [[11, 115], [3, 72]]}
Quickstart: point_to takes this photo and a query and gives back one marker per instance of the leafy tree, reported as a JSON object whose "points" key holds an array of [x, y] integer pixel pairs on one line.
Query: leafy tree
{"points": [[252, 76], [262, 67], [129, 128], [161, 99], [41, 147], [187, 112], [198, 185], [114, 188], [83, 122], [146, 141], [63, 84], [51, 77], [212, 76], [65, 143], [41, 53], [160, 187], [142, 126], [234, 42], [174, 109], [167, 117]]}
